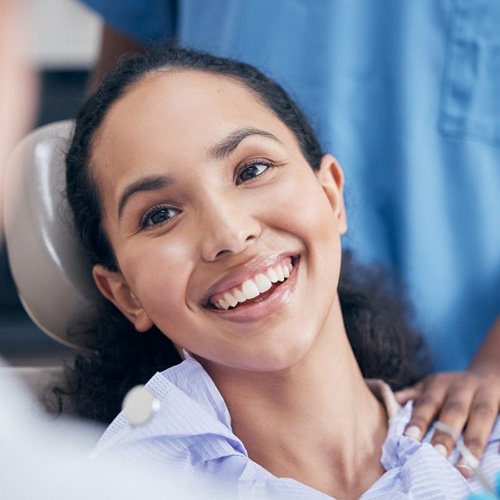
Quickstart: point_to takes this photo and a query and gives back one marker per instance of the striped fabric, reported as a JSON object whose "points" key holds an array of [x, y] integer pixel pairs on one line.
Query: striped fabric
{"points": [[191, 435]]}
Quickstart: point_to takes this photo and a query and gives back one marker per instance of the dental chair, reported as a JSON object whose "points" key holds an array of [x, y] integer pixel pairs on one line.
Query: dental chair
{"points": [[48, 265]]}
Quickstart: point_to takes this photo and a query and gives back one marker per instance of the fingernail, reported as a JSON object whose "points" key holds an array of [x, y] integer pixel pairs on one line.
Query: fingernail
{"points": [[413, 431], [464, 469], [441, 449]]}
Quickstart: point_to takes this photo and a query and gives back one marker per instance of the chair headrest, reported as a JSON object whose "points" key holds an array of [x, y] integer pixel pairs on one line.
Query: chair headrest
{"points": [[47, 260]]}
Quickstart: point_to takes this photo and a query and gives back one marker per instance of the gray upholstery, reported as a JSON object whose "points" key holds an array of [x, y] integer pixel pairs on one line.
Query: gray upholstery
{"points": [[47, 262]]}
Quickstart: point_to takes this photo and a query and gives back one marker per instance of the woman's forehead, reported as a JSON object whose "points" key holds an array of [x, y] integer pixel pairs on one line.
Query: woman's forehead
{"points": [[182, 109], [182, 93]]}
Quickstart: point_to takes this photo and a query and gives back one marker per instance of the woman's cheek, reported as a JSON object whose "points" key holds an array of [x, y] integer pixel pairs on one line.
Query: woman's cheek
{"points": [[301, 201], [159, 272]]}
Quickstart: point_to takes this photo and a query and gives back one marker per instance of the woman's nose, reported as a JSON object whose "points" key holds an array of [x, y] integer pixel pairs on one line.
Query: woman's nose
{"points": [[226, 227]]}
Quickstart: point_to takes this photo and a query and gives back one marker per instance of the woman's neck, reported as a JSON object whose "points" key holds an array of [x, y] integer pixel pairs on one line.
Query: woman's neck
{"points": [[316, 422]]}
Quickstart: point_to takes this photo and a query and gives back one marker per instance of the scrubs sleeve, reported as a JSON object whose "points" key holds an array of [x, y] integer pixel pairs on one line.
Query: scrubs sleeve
{"points": [[147, 21]]}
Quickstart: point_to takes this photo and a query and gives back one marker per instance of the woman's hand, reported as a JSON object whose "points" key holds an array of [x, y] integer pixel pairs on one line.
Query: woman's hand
{"points": [[467, 402]]}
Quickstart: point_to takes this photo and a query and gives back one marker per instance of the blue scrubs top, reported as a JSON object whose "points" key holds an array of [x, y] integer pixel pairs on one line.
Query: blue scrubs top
{"points": [[406, 94]]}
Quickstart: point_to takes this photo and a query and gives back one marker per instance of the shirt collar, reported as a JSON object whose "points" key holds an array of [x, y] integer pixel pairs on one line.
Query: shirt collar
{"points": [[190, 383], [193, 415]]}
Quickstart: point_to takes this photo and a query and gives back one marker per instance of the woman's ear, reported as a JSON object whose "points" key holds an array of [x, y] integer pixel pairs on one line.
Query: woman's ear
{"points": [[115, 288], [331, 178]]}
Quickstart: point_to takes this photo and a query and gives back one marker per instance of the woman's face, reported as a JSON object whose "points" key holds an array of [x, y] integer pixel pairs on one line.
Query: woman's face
{"points": [[209, 204]]}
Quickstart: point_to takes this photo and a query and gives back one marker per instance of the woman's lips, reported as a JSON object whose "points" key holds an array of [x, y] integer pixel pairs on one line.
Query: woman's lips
{"points": [[253, 287], [236, 277], [265, 303]]}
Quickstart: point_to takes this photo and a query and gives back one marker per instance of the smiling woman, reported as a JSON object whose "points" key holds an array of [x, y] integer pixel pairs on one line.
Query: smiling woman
{"points": [[213, 222]]}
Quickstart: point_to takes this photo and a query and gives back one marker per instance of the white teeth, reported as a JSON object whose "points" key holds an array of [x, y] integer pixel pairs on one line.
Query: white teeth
{"points": [[223, 304], [271, 274], [230, 299], [286, 272], [239, 296], [279, 272], [249, 289], [263, 283]]}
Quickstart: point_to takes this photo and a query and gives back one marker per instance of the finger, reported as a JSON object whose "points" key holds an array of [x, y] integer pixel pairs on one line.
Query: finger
{"points": [[482, 417], [453, 415], [464, 469], [426, 407], [408, 393]]}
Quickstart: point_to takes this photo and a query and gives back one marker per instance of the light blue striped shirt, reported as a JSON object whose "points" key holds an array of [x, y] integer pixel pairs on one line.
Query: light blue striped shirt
{"points": [[192, 435]]}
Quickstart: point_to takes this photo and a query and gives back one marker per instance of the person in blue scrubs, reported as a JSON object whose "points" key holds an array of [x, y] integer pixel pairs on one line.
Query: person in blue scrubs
{"points": [[406, 95]]}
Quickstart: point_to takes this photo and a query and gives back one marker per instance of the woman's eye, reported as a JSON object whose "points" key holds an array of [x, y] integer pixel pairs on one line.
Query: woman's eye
{"points": [[252, 170], [158, 216]]}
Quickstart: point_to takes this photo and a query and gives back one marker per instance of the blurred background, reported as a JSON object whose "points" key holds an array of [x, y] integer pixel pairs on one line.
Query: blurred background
{"points": [[63, 71]]}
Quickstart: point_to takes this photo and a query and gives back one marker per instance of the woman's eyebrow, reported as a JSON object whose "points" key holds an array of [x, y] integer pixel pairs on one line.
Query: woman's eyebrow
{"points": [[152, 183], [218, 151], [227, 145]]}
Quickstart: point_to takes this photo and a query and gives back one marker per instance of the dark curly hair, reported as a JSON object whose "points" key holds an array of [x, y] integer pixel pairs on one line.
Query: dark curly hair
{"points": [[117, 358]]}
